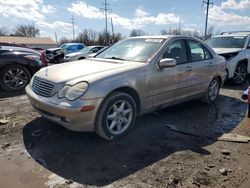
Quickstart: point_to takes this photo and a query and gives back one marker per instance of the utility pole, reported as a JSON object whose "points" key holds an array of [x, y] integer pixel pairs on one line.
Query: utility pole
{"points": [[105, 10], [180, 27], [73, 21], [112, 27], [207, 3], [56, 37]]}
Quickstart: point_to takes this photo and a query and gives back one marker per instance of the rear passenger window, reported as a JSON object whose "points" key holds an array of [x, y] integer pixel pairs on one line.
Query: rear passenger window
{"points": [[198, 52], [176, 50], [73, 47], [80, 46]]}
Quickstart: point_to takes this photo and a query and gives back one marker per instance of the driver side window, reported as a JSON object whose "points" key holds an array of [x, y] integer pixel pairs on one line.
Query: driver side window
{"points": [[177, 50]]}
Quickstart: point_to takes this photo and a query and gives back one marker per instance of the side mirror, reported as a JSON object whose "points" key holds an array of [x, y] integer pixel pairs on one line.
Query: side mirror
{"points": [[167, 63], [248, 47]]}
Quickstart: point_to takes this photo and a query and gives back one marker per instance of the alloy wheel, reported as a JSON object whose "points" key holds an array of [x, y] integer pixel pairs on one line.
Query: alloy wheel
{"points": [[119, 117], [240, 74], [15, 78], [213, 90]]}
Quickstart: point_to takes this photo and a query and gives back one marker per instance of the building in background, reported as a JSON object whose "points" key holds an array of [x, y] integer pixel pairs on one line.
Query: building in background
{"points": [[31, 42]]}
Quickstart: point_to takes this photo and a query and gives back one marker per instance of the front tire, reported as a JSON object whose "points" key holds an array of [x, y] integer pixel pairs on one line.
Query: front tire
{"points": [[212, 91], [240, 74], [14, 78], [116, 116]]}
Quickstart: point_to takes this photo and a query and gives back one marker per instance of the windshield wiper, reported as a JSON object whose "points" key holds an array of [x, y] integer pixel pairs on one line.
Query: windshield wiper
{"points": [[116, 58]]}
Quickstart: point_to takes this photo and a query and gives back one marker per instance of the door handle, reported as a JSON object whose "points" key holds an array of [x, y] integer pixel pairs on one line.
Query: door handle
{"points": [[188, 69], [211, 64]]}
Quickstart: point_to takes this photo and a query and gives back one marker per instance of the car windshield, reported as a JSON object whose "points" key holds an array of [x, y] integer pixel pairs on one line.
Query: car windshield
{"points": [[227, 42], [133, 49], [86, 49], [64, 46]]}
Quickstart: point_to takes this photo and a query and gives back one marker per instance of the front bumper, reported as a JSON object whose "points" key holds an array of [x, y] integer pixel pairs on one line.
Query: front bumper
{"points": [[64, 113]]}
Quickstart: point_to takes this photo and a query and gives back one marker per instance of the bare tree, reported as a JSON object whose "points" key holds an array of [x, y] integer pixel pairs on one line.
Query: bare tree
{"points": [[64, 40], [170, 32], [91, 37], [88, 37], [4, 31], [137, 32], [26, 31]]}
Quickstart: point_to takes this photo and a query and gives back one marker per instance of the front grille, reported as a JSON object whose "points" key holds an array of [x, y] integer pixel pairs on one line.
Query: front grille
{"points": [[42, 87]]}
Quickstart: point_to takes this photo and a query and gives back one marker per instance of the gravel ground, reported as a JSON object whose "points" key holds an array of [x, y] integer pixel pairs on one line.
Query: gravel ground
{"points": [[35, 152]]}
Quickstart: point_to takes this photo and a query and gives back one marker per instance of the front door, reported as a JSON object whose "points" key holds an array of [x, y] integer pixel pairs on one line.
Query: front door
{"points": [[166, 80]]}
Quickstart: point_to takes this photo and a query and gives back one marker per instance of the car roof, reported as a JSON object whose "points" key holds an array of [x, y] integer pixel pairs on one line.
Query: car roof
{"points": [[155, 36], [234, 33], [165, 37], [72, 44]]}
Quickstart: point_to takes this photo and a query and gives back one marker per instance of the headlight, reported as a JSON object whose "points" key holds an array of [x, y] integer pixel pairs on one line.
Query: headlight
{"points": [[73, 92], [34, 58]]}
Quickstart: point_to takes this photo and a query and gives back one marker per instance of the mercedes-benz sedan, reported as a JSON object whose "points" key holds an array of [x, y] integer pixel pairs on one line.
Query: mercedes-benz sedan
{"points": [[133, 77]]}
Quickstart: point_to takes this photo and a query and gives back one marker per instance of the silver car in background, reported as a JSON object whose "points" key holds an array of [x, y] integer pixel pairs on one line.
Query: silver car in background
{"points": [[133, 77], [82, 54]]}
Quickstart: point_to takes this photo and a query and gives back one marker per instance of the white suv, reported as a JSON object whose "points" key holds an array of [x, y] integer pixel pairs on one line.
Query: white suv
{"points": [[235, 47]]}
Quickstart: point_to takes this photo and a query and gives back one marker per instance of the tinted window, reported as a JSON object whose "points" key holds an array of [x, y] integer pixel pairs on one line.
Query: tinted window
{"points": [[80, 47], [176, 50], [227, 42], [73, 47], [94, 50], [198, 52]]}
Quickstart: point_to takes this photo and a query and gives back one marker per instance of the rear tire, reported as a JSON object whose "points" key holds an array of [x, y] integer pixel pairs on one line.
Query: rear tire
{"points": [[14, 78], [212, 91], [240, 74], [116, 116]]}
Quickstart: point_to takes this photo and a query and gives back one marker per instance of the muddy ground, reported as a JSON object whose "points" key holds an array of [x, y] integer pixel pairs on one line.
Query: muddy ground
{"points": [[35, 152]]}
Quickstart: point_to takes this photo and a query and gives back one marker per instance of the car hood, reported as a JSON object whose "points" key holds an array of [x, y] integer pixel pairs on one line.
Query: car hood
{"points": [[226, 50], [53, 49], [85, 70]]}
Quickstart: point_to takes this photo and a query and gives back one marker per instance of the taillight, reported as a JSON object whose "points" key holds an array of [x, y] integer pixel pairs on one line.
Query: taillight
{"points": [[43, 58]]}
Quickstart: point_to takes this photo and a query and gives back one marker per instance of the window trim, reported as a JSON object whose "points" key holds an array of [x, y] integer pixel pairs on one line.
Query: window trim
{"points": [[173, 41], [203, 47]]}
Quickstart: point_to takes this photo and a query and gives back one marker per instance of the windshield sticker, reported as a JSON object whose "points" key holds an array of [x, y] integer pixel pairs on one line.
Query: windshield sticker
{"points": [[153, 40]]}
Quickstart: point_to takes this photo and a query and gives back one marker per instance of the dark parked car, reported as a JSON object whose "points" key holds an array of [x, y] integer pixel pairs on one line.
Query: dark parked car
{"points": [[17, 65], [56, 55]]}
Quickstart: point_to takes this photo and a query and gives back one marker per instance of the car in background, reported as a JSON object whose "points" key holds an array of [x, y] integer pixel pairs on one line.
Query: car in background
{"points": [[56, 55], [235, 47], [135, 76], [17, 65], [95, 54], [82, 54]]}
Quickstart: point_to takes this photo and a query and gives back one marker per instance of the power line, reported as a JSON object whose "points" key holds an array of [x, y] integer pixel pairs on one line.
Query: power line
{"points": [[207, 3], [105, 9], [73, 22]]}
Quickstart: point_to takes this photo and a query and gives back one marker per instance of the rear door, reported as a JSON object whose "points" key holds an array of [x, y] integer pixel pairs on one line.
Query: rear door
{"points": [[202, 66]]}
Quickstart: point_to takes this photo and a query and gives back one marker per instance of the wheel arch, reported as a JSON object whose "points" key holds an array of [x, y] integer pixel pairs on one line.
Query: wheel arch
{"points": [[220, 79], [131, 92], [243, 61], [13, 63]]}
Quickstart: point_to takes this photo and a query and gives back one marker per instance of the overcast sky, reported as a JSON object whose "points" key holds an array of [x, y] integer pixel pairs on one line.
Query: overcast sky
{"points": [[151, 16]]}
